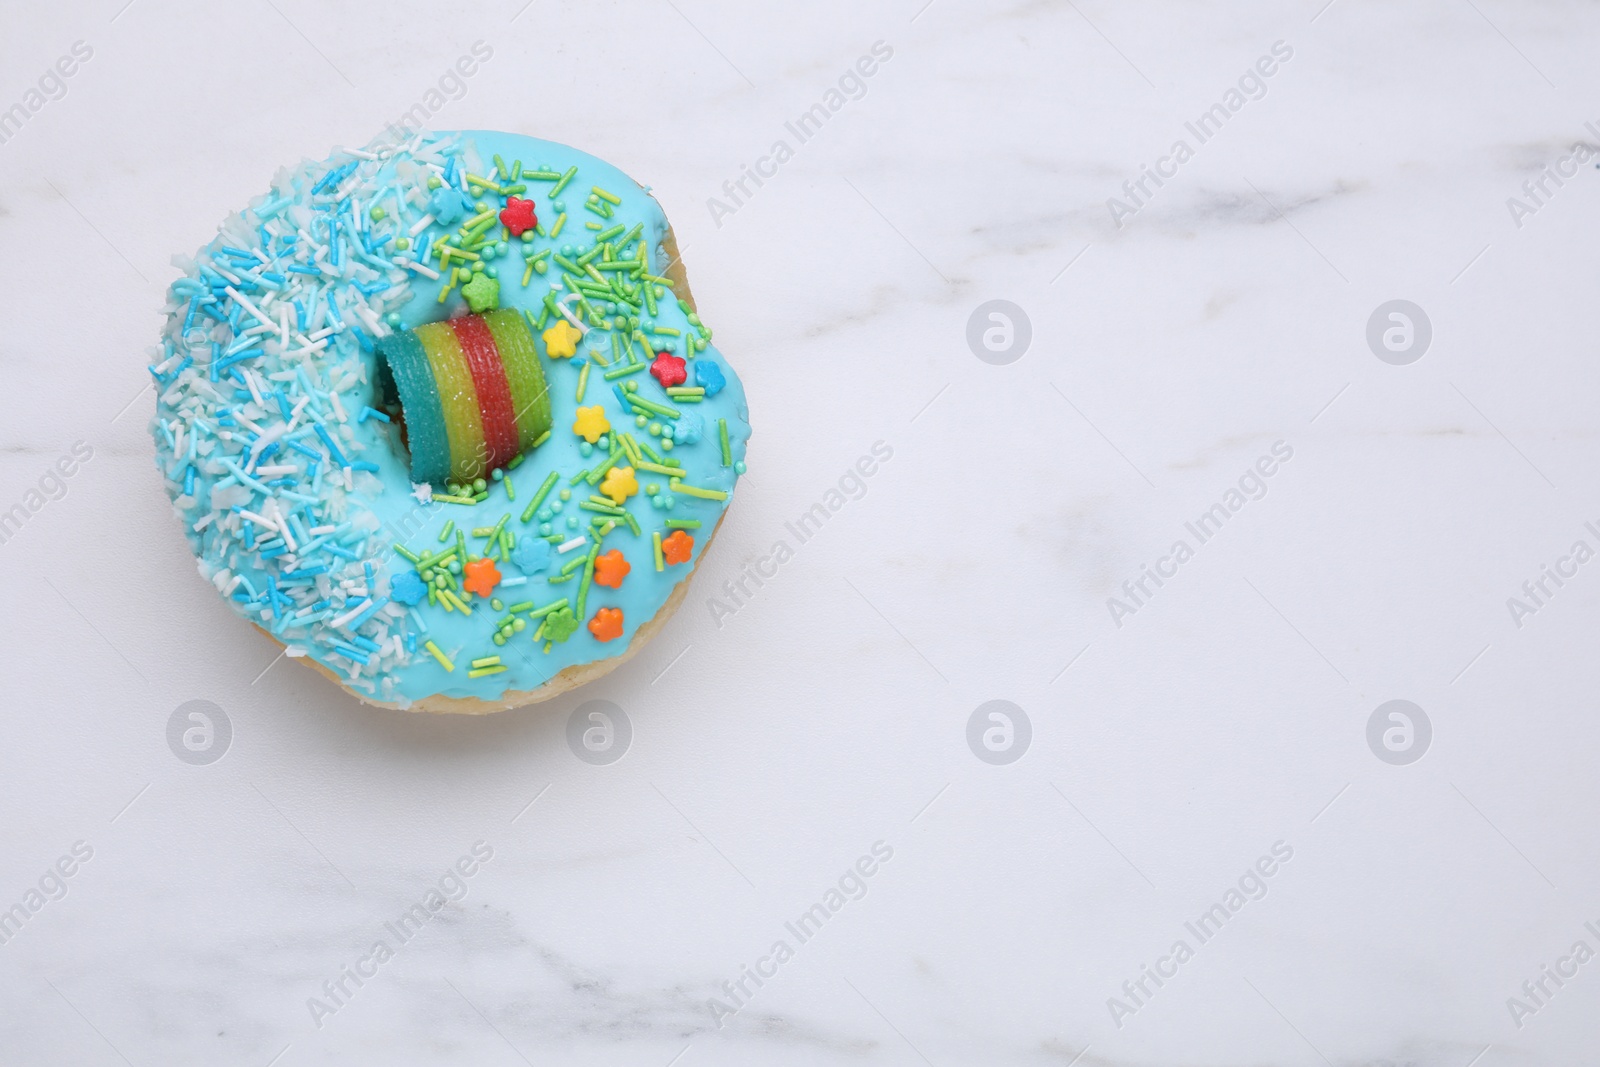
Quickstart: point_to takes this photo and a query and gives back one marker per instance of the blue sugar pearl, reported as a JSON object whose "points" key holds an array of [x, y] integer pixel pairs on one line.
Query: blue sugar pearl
{"points": [[556, 506], [670, 501], [572, 522], [492, 271], [585, 449], [604, 444], [544, 514], [393, 319], [544, 529], [656, 501], [738, 468]]}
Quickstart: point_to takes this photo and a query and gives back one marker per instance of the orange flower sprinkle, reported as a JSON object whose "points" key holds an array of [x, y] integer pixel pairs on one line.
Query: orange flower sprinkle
{"points": [[610, 568], [481, 577], [606, 624], [676, 547]]}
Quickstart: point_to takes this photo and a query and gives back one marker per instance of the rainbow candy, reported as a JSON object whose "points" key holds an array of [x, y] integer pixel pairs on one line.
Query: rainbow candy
{"points": [[473, 394]]}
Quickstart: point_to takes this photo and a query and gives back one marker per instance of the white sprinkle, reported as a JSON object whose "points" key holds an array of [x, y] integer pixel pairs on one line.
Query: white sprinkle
{"points": [[245, 303], [294, 653], [572, 544], [250, 383], [421, 224], [561, 306], [338, 408], [426, 272]]}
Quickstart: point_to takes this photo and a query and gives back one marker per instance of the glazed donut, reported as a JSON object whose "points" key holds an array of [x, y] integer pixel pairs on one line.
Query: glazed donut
{"points": [[440, 417]]}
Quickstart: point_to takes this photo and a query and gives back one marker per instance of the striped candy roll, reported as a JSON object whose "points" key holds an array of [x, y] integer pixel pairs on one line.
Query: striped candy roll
{"points": [[472, 391]]}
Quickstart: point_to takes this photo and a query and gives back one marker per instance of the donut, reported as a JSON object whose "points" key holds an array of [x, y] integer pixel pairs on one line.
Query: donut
{"points": [[439, 416]]}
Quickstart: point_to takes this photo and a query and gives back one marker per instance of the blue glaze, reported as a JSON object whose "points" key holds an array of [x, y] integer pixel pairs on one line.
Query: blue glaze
{"points": [[383, 509]]}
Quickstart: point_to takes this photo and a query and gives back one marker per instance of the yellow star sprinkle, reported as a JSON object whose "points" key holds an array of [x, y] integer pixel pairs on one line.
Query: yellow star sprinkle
{"points": [[619, 484], [562, 339], [591, 423]]}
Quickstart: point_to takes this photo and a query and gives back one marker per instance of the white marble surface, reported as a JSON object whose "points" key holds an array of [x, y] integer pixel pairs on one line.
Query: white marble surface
{"points": [[830, 711]]}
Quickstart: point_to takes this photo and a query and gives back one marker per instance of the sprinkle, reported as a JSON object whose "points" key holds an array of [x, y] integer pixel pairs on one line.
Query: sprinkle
{"points": [[583, 382], [683, 524], [486, 661], [722, 435], [538, 498], [568, 546], [695, 490], [655, 543], [444, 660], [481, 671], [562, 184]]}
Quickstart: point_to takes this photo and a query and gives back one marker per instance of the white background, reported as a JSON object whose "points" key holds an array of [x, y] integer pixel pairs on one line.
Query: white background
{"points": [[830, 711]]}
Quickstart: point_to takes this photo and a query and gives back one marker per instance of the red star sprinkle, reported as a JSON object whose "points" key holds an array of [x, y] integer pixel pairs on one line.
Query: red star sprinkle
{"points": [[518, 215], [482, 577], [668, 369]]}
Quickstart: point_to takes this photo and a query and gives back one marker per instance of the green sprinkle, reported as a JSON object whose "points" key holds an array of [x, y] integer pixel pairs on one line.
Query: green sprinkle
{"points": [[683, 524], [695, 490], [588, 577], [398, 547], [625, 369], [610, 233], [633, 524], [548, 608], [652, 407], [727, 450], [555, 231], [655, 543], [562, 184], [486, 661], [485, 531], [481, 671], [538, 498], [603, 195], [541, 175], [441, 498], [682, 391], [583, 382], [658, 468], [603, 509], [516, 461], [600, 471], [541, 439], [444, 660], [449, 528]]}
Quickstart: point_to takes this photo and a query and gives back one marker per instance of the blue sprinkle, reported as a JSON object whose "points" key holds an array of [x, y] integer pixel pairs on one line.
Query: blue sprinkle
{"points": [[709, 376]]}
